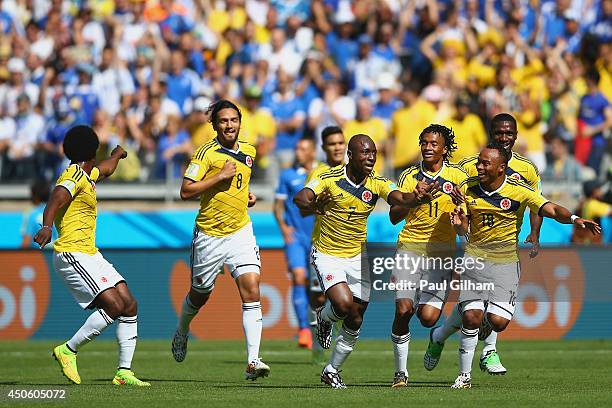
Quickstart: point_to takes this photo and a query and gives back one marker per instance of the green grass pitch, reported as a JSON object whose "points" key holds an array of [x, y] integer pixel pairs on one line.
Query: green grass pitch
{"points": [[541, 373]]}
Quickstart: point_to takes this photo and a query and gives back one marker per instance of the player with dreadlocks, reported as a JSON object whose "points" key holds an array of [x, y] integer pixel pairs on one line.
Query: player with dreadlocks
{"points": [[426, 240]]}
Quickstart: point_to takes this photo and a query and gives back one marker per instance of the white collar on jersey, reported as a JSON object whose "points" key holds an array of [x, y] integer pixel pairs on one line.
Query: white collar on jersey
{"points": [[351, 183], [225, 148], [435, 176], [490, 193]]}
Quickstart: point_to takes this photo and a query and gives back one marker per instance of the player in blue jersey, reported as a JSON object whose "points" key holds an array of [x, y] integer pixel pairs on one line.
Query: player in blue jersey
{"points": [[296, 232]]}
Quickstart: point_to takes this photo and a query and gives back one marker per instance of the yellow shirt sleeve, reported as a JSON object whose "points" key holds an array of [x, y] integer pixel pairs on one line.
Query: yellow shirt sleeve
{"points": [[95, 174], [71, 180], [197, 168], [317, 185], [385, 187], [535, 200]]}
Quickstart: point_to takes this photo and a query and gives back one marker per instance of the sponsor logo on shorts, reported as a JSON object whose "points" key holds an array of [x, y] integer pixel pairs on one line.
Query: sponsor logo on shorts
{"points": [[104, 279], [447, 187], [329, 277], [505, 204], [366, 196]]}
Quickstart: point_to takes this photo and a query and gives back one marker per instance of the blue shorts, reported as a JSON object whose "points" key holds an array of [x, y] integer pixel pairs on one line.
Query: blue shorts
{"points": [[298, 254]]}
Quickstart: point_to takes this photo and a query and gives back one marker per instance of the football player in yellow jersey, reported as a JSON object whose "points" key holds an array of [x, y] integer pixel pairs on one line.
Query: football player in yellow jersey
{"points": [[91, 279], [428, 234], [503, 130], [219, 173], [334, 146], [345, 196], [495, 206]]}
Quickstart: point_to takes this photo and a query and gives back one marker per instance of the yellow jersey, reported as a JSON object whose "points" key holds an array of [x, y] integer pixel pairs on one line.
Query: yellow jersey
{"points": [[223, 207], [470, 135], [430, 222], [593, 209], [316, 172], [373, 127], [76, 222], [519, 168], [343, 227], [496, 217], [406, 126]]}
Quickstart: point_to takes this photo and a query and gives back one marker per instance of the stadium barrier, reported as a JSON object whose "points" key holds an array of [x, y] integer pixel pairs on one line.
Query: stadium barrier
{"points": [[565, 293], [174, 229]]}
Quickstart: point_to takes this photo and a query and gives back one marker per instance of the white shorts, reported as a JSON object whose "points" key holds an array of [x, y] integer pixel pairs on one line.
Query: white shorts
{"points": [[501, 299], [85, 276], [422, 285], [332, 270], [209, 254]]}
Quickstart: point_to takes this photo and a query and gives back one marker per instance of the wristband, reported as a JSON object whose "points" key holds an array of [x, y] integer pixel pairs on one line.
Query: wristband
{"points": [[573, 218], [47, 227]]}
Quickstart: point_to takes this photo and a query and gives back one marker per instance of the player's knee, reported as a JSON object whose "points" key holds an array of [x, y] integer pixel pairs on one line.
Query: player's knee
{"points": [[342, 307], [403, 309], [299, 276], [428, 320], [114, 307], [497, 322], [130, 307], [471, 319], [316, 300]]}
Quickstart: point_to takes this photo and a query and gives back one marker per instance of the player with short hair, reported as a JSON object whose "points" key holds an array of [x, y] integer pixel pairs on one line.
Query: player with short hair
{"points": [[334, 146], [92, 280], [492, 209], [427, 234], [219, 173], [297, 231], [345, 196], [503, 131]]}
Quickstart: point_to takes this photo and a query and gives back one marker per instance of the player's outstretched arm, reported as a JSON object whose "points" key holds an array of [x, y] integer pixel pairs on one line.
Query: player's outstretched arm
{"points": [[423, 192], [108, 166], [60, 197], [564, 216], [190, 188], [310, 203]]}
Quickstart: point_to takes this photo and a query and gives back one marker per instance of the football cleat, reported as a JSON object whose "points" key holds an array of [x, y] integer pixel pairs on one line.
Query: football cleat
{"points": [[67, 362], [491, 363], [332, 379], [127, 377], [324, 330], [463, 381], [179, 346], [433, 352], [256, 369], [305, 338], [400, 379]]}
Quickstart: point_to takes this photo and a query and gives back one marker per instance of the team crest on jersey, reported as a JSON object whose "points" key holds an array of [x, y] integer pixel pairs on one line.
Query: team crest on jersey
{"points": [[249, 161], [505, 204], [516, 176], [366, 196], [447, 187]]}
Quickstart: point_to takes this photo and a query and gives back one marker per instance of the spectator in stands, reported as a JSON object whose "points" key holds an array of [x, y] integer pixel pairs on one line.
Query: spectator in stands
{"points": [[366, 123], [289, 114], [183, 83], [259, 127], [387, 98], [112, 82], [594, 119], [563, 168], [18, 85], [29, 131], [594, 207], [173, 150], [82, 98], [470, 134]]}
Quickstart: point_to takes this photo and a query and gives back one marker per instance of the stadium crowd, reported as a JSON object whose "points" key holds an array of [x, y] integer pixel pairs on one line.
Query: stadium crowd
{"points": [[143, 73]]}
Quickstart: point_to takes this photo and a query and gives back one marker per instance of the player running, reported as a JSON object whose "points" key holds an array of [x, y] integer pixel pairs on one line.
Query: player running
{"points": [[334, 146], [503, 131], [345, 196], [427, 234], [91, 279], [494, 207], [219, 173], [297, 231]]}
